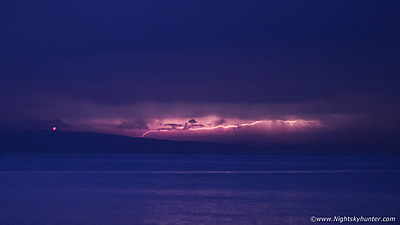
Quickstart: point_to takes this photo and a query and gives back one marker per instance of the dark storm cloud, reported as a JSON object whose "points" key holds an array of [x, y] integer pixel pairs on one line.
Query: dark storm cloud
{"points": [[137, 124], [90, 63], [219, 122], [88, 27], [33, 124], [277, 75], [173, 125]]}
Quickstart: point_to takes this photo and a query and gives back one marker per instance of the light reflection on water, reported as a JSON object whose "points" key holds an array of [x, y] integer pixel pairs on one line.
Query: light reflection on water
{"points": [[85, 189]]}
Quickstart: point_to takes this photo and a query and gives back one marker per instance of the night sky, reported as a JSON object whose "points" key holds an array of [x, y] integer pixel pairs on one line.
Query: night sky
{"points": [[268, 71]]}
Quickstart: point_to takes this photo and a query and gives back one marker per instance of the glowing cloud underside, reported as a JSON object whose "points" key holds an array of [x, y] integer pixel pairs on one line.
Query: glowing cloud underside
{"points": [[267, 124]]}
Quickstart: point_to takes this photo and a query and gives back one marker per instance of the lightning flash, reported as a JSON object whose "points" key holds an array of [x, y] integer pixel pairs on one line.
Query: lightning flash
{"points": [[192, 125]]}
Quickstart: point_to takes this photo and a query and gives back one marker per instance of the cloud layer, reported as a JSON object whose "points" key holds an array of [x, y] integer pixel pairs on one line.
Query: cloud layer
{"points": [[127, 68]]}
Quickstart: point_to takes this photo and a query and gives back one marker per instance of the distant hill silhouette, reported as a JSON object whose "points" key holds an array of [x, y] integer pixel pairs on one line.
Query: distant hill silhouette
{"points": [[61, 141]]}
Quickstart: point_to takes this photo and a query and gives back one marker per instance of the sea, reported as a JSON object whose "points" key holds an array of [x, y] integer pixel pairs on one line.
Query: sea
{"points": [[118, 189]]}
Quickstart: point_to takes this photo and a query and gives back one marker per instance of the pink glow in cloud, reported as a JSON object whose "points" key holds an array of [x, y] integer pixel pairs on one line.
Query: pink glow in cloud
{"points": [[198, 130]]}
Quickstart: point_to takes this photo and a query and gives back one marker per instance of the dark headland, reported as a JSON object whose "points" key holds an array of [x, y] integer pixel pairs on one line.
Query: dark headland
{"points": [[87, 142]]}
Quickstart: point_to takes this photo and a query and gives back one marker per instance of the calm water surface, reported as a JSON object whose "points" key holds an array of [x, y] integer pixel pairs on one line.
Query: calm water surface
{"points": [[197, 189]]}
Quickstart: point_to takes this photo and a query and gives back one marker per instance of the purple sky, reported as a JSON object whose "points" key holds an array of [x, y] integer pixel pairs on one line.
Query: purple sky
{"points": [[128, 67]]}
